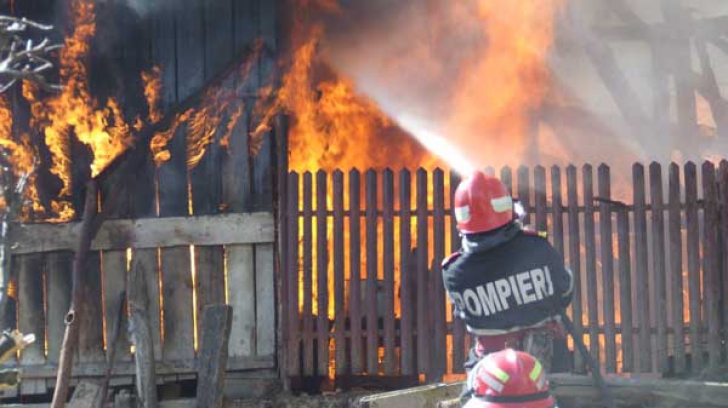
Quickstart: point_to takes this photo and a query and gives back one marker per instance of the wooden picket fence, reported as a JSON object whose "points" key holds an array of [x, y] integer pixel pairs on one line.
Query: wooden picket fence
{"points": [[650, 275]]}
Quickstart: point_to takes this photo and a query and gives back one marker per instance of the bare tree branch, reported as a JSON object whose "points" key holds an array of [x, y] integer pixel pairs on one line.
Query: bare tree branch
{"points": [[20, 57]]}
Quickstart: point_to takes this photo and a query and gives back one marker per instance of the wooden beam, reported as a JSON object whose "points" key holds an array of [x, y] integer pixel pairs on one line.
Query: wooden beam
{"points": [[141, 336], [246, 228], [213, 355]]}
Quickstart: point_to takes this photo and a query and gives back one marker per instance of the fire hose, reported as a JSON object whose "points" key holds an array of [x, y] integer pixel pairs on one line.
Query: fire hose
{"points": [[593, 364]]}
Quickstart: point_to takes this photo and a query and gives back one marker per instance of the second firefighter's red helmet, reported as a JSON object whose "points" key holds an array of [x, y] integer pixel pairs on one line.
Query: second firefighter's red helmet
{"points": [[482, 204], [509, 379]]}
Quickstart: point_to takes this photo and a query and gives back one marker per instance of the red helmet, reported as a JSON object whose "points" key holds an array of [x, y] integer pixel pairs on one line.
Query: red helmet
{"points": [[509, 379], [482, 204]]}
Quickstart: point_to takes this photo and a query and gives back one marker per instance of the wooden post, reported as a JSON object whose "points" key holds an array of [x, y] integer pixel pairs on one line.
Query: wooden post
{"points": [[575, 258], [405, 238], [308, 363], [676, 270], [141, 334], [591, 261], [641, 269], [605, 231], [70, 337], [213, 356], [322, 274], [423, 299], [372, 259], [355, 270], [658, 263], [693, 247], [292, 274], [390, 359]]}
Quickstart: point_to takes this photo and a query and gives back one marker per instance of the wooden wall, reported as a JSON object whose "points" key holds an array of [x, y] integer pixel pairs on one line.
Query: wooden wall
{"points": [[193, 41]]}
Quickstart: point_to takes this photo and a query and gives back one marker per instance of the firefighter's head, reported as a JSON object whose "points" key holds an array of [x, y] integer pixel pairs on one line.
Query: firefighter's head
{"points": [[509, 379], [482, 204]]}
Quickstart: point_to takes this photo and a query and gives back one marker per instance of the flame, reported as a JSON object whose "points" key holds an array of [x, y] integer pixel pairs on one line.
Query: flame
{"points": [[333, 125], [152, 91], [158, 144], [515, 60], [74, 112]]}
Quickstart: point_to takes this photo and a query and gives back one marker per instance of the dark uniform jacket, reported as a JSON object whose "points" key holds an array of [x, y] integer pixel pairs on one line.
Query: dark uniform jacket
{"points": [[506, 281]]}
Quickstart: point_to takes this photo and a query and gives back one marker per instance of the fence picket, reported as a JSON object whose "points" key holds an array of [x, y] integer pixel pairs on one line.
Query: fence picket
{"points": [[506, 175], [711, 278], [406, 290], [339, 294], [437, 293], [390, 362], [575, 257], [693, 251], [658, 263], [322, 274], [608, 285], [641, 269], [355, 270], [625, 288], [557, 210], [308, 362], [591, 261], [524, 192], [372, 260], [292, 274], [676, 269], [723, 187], [423, 298], [539, 179]]}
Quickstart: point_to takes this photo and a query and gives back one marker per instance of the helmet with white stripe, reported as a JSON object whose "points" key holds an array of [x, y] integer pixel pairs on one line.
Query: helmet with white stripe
{"points": [[509, 379]]}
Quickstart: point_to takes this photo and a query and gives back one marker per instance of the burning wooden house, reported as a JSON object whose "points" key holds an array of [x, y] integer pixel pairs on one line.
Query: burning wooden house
{"points": [[237, 152]]}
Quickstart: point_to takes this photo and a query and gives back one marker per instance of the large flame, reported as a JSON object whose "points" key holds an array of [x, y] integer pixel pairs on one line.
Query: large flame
{"points": [[75, 112], [334, 126]]}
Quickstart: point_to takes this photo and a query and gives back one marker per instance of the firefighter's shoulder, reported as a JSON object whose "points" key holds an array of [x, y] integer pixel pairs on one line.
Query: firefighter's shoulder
{"points": [[535, 233], [451, 258]]}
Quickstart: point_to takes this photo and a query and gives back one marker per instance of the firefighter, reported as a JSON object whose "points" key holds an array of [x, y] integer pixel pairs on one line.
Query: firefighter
{"points": [[508, 378], [507, 283]]}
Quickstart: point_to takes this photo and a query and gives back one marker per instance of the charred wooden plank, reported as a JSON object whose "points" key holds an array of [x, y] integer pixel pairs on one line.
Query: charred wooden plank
{"points": [[141, 331], [539, 180], [458, 335], [213, 356], [557, 211]]}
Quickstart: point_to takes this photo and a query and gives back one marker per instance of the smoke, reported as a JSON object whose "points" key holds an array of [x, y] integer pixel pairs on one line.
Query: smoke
{"points": [[496, 83]]}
